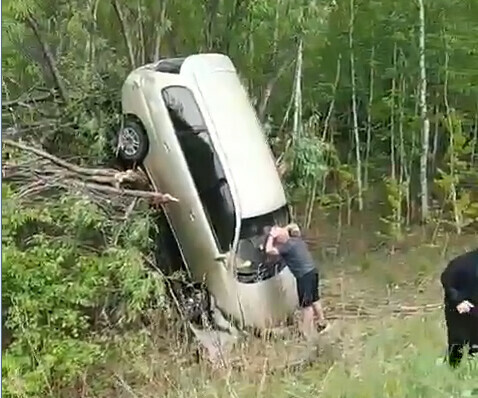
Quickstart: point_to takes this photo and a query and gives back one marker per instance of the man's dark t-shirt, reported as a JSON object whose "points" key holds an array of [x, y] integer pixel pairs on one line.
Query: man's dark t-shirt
{"points": [[297, 257]]}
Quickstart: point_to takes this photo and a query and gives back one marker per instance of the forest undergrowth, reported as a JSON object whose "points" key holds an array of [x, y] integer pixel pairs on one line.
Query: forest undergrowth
{"points": [[387, 340]]}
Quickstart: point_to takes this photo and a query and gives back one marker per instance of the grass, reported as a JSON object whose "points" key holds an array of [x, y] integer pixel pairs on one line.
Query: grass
{"points": [[383, 355]]}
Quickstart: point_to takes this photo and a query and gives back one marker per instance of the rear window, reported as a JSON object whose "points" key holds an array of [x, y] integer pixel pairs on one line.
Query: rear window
{"points": [[254, 226]]}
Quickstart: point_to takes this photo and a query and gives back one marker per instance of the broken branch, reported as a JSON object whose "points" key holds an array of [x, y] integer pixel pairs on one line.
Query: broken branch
{"points": [[51, 172], [157, 197], [28, 100]]}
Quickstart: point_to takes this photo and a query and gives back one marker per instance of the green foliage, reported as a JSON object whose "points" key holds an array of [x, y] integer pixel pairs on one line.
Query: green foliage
{"points": [[66, 289], [394, 222], [457, 183]]}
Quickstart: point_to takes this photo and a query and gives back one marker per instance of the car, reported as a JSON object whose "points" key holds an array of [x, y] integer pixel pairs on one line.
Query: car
{"points": [[191, 125]]}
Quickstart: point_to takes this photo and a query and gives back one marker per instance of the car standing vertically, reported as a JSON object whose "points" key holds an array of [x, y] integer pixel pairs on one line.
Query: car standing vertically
{"points": [[190, 123]]}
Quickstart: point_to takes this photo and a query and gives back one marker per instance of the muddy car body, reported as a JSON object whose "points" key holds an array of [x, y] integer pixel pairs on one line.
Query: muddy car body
{"points": [[189, 121]]}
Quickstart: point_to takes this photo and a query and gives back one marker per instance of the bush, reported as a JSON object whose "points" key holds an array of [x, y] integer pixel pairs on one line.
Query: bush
{"points": [[73, 279]]}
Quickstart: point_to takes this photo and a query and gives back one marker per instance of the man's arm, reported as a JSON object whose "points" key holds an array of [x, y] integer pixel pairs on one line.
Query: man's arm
{"points": [[454, 280], [271, 250]]}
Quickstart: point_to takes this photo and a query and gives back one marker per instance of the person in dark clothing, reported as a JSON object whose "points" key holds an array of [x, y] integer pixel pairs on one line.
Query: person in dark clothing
{"points": [[288, 244], [460, 285]]}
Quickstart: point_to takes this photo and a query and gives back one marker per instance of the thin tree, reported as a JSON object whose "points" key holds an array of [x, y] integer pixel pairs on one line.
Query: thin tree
{"points": [[297, 126], [354, 109], [369, 117], [424, 116], [393, 166]]}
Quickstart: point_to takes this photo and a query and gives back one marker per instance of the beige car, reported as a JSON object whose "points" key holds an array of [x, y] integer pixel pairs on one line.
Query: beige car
{"points": [[190, 123]]}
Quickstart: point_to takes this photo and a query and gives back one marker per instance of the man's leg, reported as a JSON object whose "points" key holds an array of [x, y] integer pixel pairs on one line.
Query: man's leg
{"points": [[307, 325], [457, 335], [317, 304], [319, 312], [455, 354], [305, 292]]}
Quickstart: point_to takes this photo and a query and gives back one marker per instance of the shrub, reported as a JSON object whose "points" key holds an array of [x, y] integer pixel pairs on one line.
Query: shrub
{"points": [[73, 279]]}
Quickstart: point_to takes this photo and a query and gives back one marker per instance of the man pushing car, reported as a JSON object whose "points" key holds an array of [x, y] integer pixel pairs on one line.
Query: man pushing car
{"points": [[288, 243]]}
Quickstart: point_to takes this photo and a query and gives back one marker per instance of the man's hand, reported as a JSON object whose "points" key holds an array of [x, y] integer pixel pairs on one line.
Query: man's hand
{"points": [[464, 307], [274, 231]]}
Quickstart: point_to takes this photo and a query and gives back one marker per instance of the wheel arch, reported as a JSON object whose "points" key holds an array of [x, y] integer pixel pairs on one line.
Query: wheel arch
{"points": [[135, 118]]}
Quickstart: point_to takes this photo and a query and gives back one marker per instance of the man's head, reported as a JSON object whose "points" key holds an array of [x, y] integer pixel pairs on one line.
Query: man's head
{"points": [[280, 235], [293, 230]]}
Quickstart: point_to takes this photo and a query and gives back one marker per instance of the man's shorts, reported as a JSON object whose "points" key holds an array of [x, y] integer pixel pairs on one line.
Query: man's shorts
{"points": [[308, 289]]}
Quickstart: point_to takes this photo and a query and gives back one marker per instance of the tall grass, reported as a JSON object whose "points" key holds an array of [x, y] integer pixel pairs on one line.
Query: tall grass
{"points": [[381, 357]]}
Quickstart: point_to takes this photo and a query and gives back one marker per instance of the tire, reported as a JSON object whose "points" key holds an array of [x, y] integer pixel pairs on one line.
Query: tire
{"points": [[132, 143]]}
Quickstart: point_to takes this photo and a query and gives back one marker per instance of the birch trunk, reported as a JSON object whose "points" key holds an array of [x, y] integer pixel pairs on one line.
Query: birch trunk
{"points": [[297, 126], [332, 103], [475, 141], [403, 177], [424, 117], [435, 139], [369, 119], [392, 116], [354, 111]]}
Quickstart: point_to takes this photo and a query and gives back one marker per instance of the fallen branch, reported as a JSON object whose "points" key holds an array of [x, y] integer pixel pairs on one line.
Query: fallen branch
{"points": [[157, 197], [25, 101], [46, 172], [58, 161]]}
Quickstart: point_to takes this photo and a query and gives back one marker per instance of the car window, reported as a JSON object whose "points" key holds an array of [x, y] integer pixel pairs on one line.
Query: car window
{"points": [[183, 109], [203, 163]]}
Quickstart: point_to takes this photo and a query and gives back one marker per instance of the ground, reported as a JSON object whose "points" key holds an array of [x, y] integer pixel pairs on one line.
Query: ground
{"points": [[388, 340]]}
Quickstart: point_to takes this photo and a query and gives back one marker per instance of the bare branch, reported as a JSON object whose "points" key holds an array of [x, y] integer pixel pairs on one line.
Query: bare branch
{"points": [[125, 33], [157, 197], [269, 88], [58, 161], [28, 100], [33, 24], [50, 172]]}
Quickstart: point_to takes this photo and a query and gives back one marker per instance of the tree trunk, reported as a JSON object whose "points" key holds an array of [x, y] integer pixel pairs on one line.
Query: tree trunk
{"points": [[435, 138], [125, 33], [475, 141], [354, 111], [424, 117], [332, 103], [297, 127], [50, 59], [210, 28], [392, 116], [403, 178], [142, 49], [369, 118], [159, 31]]}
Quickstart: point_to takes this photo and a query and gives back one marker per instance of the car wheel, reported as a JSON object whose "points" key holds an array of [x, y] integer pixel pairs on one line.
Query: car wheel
{"points": [[132, 142]]}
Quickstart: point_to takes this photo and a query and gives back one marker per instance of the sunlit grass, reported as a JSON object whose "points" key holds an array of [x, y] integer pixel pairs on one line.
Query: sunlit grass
{"points": [[382, 357], [394, 358]]}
